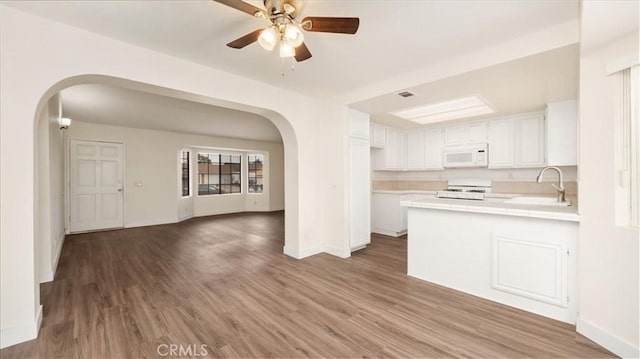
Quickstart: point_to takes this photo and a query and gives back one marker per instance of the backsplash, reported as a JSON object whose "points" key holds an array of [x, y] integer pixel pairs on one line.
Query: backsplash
{"points": [[509, 186], [510, 174], [512, 180]]}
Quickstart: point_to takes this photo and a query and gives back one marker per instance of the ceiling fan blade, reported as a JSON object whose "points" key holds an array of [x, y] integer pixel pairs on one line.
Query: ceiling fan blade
{"points": [[247, 39], [302, 53], [244, 7], [340, 25]]}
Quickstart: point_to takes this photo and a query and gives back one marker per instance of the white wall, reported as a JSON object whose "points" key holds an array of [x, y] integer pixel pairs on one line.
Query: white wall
{"points": [[151, 157], [50, 216], [40, 57], [608, 280]]}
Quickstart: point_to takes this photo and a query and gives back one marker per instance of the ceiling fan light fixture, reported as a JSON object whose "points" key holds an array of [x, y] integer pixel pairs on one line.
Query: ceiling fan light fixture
{"points": [[268, 38], [293, 35], [286, 50]]}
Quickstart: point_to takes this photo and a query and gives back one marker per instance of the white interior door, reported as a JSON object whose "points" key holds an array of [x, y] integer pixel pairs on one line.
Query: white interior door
{"points": [[96, 191]]}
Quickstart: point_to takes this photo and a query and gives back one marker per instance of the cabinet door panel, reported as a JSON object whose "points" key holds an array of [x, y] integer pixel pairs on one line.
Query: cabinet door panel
{"points": [[477, 132], [386, 214], [433, 148], [360, 193], [377, 136], [455, 135], [501, 144], [530, 269], [529, 137], [415, 150]]}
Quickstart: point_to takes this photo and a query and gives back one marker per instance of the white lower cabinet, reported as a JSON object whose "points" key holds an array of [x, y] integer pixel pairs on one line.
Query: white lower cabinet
{"points": [[527, 263], [387, 216]]}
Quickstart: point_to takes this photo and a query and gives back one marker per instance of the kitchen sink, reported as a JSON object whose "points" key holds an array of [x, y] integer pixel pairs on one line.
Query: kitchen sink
{"points": [[539, 201]]}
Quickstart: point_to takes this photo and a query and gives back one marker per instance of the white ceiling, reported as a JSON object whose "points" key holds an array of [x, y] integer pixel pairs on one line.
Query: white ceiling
{"points": [[395, 37], [523, 85], [602, 29], [123, 107]]}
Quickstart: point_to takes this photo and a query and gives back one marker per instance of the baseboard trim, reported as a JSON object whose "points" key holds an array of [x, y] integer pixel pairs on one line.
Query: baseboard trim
{"points": [[17, 335], [182, 219], [59, 252], [151, 222], [607, 340], [217, 213], [46, 276], [300, 254], [388, 233], [338, 252], [49, 274]]}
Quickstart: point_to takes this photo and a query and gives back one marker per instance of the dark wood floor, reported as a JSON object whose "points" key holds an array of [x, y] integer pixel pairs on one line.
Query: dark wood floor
{"points": [[224, 282]]}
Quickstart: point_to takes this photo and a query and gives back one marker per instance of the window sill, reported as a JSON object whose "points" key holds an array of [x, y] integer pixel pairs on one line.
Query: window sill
{"points": [[220, 195]]}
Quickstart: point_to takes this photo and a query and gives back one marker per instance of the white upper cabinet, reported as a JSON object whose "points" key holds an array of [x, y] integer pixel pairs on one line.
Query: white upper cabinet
{"points": [[501, 143], [475, 132], [529, 141], [396, 144], [392, 155], [433, 142], [415, 150], [517, 141], [377, 136], [562, 133], [455, 135]]}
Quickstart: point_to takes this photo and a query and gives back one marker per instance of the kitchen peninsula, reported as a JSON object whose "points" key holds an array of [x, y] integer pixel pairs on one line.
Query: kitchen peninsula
{"points": [[518, 254]]}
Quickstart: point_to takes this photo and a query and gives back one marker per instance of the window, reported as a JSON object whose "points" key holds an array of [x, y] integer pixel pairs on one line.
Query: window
{"points": [[219, 174], [186, 173], [255, 173]]}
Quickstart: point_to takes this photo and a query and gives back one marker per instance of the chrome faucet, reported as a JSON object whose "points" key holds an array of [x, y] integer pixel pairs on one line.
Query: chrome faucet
{"points": [[559, 187]]}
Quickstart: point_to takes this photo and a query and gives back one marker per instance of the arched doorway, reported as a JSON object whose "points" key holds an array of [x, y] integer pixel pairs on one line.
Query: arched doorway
{"points": [[285, 128]]}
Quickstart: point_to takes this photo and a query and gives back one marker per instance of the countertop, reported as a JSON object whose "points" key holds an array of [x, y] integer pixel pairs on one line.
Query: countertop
{"points": [[405, 192], [494, 204]]}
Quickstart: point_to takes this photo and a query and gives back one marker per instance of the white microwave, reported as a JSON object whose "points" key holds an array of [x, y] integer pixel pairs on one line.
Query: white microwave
{"points": [[465, 156]]}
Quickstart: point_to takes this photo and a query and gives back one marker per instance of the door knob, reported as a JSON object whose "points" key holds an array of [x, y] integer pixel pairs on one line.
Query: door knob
{"points": [[119, 189]]}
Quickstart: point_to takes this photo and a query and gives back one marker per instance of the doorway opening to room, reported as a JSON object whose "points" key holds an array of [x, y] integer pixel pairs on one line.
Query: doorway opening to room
{"points": [[86, 182]]}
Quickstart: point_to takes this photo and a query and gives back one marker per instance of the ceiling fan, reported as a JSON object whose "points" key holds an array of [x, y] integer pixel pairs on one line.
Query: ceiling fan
{"points": [[285, 29]]}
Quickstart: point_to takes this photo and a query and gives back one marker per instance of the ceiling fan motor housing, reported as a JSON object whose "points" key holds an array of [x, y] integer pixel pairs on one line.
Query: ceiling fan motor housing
{"points": [[277, 8]]}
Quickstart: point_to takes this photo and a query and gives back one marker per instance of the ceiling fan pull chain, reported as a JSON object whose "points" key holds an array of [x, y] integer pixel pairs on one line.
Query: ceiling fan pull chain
{"points": [[282, 65], [293, 64]]}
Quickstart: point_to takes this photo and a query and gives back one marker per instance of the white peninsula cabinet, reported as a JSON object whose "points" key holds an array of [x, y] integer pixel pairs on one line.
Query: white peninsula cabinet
{"points": [[517, 260]]}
